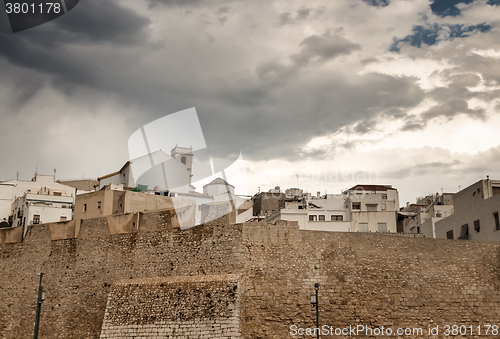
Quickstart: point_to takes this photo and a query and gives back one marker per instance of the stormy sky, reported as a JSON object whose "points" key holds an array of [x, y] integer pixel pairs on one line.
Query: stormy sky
{"points": [[320, 94]]}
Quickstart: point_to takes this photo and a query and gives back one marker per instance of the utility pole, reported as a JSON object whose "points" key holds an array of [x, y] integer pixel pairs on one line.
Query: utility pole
{"points": [[41, 298]]}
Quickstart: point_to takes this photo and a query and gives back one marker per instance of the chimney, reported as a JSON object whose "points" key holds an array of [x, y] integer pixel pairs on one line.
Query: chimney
{"points": [[407, 204], [318, 194]]}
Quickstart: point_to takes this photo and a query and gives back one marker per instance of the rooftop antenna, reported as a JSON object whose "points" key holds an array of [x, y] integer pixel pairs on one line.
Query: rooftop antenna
{"points": [[36, 168], [297, 174], [17, 175], [459, 187], [55, 171]]}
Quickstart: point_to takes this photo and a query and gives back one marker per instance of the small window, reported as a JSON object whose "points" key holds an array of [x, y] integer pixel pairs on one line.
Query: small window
{"points": [[313, 218], [183, 160], [85, 207], [384, 196], [337, 218], [371, 207], [418, 229], [121, 208], [321, 218], [497, 221], [477, 225], [382, 206], [356, 205], [99, 204], [64, 218], [363, 227], [382, 227], [57, 194], [449, 234], [438, 214], [64, 206], [36, 219]]}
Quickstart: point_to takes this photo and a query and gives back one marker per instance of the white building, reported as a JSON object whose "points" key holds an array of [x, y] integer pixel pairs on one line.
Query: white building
{"points": [[40, 208], [41, 187], [476, 213], [363, 208], [157, 170], [422, 217], [158, 173]]}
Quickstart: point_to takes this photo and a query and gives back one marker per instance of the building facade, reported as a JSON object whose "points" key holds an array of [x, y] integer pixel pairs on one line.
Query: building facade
{"points": [[362, 208], [422, 217], [475, 213], [41, 199]]}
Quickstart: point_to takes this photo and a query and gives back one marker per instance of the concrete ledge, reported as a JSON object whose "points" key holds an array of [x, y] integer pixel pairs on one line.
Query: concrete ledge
{"points": [[11, 235]]}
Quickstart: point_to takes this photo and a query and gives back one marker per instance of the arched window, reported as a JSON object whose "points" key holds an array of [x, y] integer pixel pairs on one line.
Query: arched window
{"points": [[183, 160]]}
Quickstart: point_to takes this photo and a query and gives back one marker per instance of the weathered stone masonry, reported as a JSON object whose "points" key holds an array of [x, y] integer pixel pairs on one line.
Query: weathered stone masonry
{"points": [[364, 279]]}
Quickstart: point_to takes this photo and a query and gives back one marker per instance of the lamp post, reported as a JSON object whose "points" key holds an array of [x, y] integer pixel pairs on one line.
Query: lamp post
{"points": [[41, 298], [314, 302]]}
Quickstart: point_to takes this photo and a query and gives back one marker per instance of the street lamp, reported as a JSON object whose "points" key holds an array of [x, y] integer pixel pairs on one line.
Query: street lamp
{"points": [[314, 302], [41, 298]]}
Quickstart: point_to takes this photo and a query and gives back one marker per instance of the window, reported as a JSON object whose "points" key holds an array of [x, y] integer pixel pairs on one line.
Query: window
{"points": [[57, 194], [363, 227], [121, 208], [449, 234], [477, 225], [464, 232], [337, 218], [183, 160], [418, 229], [497, 222], [85, 207], [63, 218], [382, 207], [371, 207], [321, 218], [382, 227], [384, 196], [438, 214], [356, 205], [99, 204], [313, 218], [36, 219], [64, 206]]}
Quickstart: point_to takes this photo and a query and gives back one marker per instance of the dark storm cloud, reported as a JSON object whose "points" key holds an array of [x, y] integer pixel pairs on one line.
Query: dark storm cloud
{"points": [[302, 14], [323, 48], [448, 110], [292, 116], [438, 167], [313, 49], [451, 108], [45, 48]]}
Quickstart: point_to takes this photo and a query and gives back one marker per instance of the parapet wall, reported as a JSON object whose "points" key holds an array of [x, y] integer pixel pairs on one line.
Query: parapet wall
{"points": [[365, 279]]}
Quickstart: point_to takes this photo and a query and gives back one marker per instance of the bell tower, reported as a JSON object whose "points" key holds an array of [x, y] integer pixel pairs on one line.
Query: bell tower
{"points": [[185, 156]]}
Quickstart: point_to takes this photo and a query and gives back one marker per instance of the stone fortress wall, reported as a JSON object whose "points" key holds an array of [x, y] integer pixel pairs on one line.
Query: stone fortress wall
{"points": [[254, 280]]}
